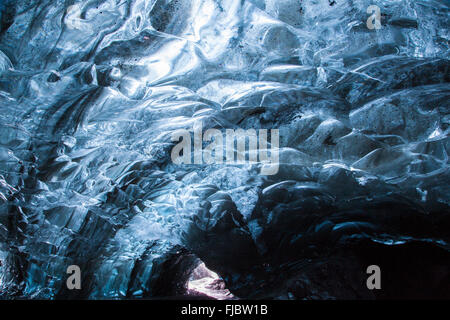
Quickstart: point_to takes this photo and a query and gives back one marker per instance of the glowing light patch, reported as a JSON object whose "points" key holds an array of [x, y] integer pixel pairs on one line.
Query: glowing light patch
{"points": [[207, 282]]}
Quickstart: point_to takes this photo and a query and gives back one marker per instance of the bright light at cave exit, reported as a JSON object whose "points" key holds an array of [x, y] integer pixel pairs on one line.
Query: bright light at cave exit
{"points": [[209, 283]]}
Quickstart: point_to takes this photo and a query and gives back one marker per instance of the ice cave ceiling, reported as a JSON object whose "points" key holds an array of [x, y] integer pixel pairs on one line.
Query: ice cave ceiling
{"points": [[90, 92]]}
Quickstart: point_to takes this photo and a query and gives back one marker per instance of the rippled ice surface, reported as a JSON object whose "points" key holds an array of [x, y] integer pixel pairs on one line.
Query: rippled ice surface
{"points": [[90, 92]]}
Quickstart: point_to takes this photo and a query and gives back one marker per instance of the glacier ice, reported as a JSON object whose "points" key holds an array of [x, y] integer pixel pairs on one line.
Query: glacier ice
{"points": [[90, 92]]}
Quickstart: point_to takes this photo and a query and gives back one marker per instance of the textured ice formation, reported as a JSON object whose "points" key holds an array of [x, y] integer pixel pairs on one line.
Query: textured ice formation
{"points": [[90, 92]]}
